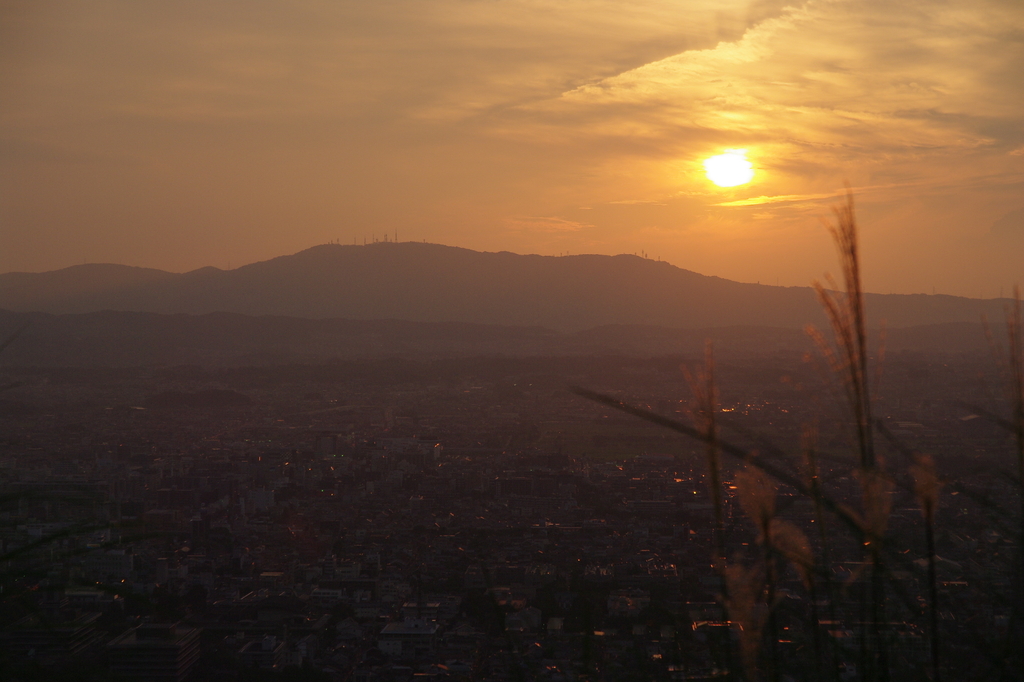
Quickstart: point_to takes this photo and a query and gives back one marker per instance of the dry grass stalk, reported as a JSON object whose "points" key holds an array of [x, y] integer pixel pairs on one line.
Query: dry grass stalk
{"points": [[778, 538], [926, 489], [747, 591], [848, 357], [926, 485], [745, 603], [848, 519], [1015, 384], [792, 544], [1015, 337], [702, 411], [756, 494], [705, 405], [1011, 364], [876, 499], [808, 446]]}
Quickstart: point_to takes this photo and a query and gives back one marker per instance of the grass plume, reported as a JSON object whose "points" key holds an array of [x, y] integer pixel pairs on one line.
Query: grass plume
{"points": [[750, 589], [848, 355]]}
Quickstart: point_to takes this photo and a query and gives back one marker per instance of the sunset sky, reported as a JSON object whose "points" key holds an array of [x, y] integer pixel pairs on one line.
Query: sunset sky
{"points": [[177, 135]]}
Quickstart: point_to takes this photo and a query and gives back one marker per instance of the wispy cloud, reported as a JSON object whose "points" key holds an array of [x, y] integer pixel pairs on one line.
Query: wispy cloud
{"points": [[633, 202], [789, 198], [545, 224], [826, 84]]}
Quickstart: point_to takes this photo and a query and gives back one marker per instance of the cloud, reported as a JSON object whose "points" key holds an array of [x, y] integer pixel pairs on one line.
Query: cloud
{"points": [[827, 196], [632, 202], [1010, 224], [433, 60], [757, 201], [545, 224], [826, 84]]}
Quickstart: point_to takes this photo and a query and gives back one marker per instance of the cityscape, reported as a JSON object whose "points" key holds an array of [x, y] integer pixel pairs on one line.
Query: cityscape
{"points": [[441, 519], [511, 341]]}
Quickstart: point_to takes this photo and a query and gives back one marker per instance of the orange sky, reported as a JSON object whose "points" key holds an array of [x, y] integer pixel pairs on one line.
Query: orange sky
{"points": [[182, 134]]}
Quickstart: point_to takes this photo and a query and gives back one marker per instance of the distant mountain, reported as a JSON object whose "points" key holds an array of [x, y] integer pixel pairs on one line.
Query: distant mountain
{"points": [[433, 283], [126, 339], [112, 339]]}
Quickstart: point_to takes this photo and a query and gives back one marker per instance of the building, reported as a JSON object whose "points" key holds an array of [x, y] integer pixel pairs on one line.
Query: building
{"points": [[51, 642], [410, 638], [108, 565], [265, 653], [628, 602], [155, 652]]}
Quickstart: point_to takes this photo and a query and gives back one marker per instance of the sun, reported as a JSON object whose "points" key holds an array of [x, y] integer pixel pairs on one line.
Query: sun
{"points": [[730, 168]]}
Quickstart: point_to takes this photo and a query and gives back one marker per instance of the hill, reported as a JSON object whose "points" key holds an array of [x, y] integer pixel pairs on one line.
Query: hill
{"points": [[433, 283]]}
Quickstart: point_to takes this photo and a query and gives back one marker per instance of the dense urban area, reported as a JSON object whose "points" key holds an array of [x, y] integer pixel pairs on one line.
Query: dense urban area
{"points": [[472, 519]]}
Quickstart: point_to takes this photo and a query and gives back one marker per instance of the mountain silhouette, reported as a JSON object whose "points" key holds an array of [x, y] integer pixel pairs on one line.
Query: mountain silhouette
{"points": [[433, 283]]}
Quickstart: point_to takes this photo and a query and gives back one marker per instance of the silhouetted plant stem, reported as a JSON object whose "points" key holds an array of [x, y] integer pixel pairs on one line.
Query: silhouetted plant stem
{"points": [[846, 316], [702, 384], [814, 483], [773, 623], [755, 586], [812, 588], [724, 447], [933, 598], [1015, 370], [1012, 367], [878, 617], [848, 519], [848, 359], [1014, 332], [705, 393], [926, 489]]}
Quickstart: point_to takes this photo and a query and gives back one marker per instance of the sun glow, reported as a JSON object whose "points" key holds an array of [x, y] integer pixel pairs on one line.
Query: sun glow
{"points": [[730, 168]]}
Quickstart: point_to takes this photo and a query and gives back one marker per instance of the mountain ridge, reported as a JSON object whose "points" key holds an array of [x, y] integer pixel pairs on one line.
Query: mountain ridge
{"points": [[435, 283]]}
